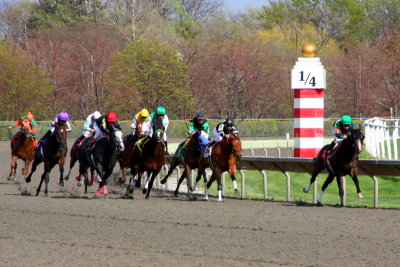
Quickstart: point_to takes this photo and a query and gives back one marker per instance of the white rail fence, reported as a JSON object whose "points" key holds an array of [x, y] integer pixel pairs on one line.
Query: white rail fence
{"points": [[381, 138]]}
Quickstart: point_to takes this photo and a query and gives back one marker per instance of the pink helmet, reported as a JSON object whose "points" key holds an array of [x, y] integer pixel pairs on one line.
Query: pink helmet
{"points": [[63, 116]]}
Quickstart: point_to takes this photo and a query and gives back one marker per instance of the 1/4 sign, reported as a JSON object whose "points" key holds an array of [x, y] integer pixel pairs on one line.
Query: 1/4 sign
{"points": [[309, 80]]}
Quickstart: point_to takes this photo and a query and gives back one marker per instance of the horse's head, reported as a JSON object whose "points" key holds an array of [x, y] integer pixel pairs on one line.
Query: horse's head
{"points": [[61, 134], [234, 139], [356, 138], [158, 131], [26, 126], [117, 140]]}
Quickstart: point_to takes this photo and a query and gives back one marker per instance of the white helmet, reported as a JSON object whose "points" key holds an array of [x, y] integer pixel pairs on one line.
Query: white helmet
{"points": [[96, 115]]}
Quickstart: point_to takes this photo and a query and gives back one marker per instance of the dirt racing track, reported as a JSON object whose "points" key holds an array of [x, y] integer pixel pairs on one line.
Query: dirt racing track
{"points": [[70, 229]]}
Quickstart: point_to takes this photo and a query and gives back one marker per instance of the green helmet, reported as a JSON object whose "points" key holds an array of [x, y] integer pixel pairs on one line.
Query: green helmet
{"points": [[346, 120], [161, 110]]}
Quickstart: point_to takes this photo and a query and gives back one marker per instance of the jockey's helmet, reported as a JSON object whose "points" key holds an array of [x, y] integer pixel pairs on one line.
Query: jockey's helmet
{"points": [[96, 115], [112, 117], [144, 113], [346, 120], [29, 116], [161, 110], [201, 115], [63, 116], [228, 122]]}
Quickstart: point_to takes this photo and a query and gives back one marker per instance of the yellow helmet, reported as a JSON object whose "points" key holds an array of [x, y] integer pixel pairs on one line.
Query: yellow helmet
{"points": [[144, 113]]}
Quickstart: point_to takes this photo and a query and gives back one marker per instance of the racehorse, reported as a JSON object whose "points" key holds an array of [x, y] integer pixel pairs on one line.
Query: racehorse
{"points": [[342, 162], [74, 157], [124, 158], [22, 147], [190, 160], [224, 156], [101, 156], [147, 156], [52, 152]]}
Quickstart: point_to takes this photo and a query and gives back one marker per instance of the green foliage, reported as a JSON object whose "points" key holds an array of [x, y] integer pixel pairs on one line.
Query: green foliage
{"points": [[147, 73], [184, 25], [23, 86]]}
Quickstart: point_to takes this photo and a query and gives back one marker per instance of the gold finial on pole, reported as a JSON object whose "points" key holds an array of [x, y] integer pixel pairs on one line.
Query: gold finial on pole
{"points": [[309, 50]]}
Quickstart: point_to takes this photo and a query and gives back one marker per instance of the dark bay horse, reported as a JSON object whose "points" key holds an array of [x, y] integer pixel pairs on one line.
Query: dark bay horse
{"points": [[52, 152], [224, 156], [147, 157], [124, 159], [342, 162], [74, 157], [190, 160], [22, 147], [102, 157]]}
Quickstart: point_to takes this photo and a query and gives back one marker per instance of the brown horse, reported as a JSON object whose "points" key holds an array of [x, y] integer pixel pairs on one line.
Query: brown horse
{"points": [[224, 156], [53, 151], [22, 147], [190, 161], [124, 158], [342, 162], [148, 157]]}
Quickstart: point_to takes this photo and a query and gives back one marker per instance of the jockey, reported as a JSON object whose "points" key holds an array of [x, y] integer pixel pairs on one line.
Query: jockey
{"points": [[199, 123], [32, 123], [142, 119], [160, 115], [60, 119], [105, 124], [341, 129], [88, 127], [223, 129]]}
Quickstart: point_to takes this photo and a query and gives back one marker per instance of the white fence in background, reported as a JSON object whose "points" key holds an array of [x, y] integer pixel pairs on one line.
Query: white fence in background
{"points": [[381, 138]]}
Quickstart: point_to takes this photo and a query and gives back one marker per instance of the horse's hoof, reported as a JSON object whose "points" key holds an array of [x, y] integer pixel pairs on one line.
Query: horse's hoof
{"points": [[237, 192], [137, 185], [28, 180], [9, 178], [79, 184], [121, 181], [61, 183], [147, 197], [305, 190], [319, 204], [130, 189], [175, 194], [66, 178], [192, 189], [144, 191], [163, 181], [360, 195], [220, 200]]}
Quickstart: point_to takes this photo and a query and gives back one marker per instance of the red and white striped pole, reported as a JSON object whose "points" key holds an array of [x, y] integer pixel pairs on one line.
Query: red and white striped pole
{"points": [[308, 84]]}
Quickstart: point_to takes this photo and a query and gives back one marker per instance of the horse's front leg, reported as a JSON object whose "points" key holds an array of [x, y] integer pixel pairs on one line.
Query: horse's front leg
{"points": [[13, 168], [183, 176], [146, 185], [318, 167], [25, 171], [340, 181], [153, 176], [35, 163], [212, 179], [232, 172], [100, 172], [175, 162], [61, 167], [328, 180], [355, 180]]}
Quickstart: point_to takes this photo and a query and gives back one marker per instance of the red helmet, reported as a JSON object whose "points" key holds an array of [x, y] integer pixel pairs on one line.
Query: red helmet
{"points": [[112, 117]]}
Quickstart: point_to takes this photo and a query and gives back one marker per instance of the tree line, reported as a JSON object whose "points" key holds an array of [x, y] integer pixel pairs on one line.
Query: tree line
{"points": [[192, 55]]}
